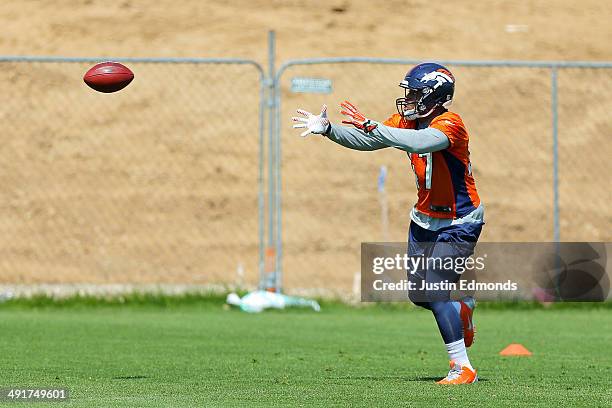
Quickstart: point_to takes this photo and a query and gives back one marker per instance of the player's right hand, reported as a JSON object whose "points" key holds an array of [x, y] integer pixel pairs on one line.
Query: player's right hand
{"points": [[357, 118], [317, 124]]}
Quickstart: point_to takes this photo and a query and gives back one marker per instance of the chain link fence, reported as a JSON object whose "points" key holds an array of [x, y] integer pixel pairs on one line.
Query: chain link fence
{"points": [[164, 181], [158, 183], [330, 201], [585, 154]]}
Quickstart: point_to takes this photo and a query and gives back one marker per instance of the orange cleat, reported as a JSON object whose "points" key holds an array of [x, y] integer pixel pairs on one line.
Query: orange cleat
{"points": [[459, 375], [467, 309]]}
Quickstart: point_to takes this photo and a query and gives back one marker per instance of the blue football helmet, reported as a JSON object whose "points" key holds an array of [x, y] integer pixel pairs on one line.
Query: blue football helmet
{"points": [[426, 86]]}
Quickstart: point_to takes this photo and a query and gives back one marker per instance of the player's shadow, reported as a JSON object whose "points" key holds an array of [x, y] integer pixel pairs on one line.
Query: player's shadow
{"points": [[130, 377], [425, 379], [429, 379], [372, 377], [391, 377]]}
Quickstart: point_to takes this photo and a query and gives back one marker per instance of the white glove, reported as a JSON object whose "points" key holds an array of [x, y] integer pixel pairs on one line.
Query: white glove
{"points": [[316, 124]]}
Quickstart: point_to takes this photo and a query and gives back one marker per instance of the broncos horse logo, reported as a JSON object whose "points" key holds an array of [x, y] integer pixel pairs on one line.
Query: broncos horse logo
{"points": [[441, 76]]}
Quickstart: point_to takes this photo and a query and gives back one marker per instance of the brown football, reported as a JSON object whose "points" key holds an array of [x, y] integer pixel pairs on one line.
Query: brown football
{"points": [[108, 77]]}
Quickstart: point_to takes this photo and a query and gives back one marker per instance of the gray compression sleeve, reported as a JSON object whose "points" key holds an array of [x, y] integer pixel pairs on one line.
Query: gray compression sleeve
{"points": [[354, 138], [413, 141]]}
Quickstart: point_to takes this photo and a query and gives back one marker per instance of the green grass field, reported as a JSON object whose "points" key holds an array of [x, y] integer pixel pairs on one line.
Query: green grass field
{"points": [[201, 354]]}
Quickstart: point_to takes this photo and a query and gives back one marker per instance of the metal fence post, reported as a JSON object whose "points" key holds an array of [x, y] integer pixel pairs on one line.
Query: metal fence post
{"points": [[270, 276], [278, 270], [555, 135], [260, 181], [271, 170]]}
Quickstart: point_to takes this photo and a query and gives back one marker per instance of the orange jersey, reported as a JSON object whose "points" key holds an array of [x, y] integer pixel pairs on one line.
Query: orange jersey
{"points": [[446, 188]]}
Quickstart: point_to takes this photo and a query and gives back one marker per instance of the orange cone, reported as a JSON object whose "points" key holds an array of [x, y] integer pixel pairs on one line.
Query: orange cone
{"points": [[515, 349]]}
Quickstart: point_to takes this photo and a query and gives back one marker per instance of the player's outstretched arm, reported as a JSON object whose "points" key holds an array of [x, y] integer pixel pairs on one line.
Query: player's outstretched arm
{"points": [[348, 137], [411, 140], [414, 141]]}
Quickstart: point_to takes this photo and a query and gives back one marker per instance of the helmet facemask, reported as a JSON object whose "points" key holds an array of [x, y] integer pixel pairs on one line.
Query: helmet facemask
{"points": [[411, 106]]}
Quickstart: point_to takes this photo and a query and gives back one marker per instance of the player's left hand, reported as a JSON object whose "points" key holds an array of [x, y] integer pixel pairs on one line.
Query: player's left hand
{"points": [[358, 119], [317, 124]]}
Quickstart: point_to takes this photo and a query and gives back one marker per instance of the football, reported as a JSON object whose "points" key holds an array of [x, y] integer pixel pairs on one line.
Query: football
{"points": [[108, 77]]}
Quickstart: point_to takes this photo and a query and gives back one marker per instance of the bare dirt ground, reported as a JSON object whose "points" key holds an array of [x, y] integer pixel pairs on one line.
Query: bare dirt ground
{"points": [[145, 187], [555, 30]]}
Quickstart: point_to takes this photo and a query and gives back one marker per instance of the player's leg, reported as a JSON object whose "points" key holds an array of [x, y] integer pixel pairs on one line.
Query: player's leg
{"points": [[446, 316], [454, 242], [463, 238], [419, 247], [421, 244], [431, 245], [450, 325], [465, 307]]}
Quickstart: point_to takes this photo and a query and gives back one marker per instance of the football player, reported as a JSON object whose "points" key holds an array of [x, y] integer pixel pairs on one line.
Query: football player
{"points": [[448, 216]]}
